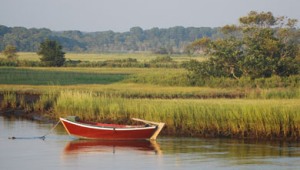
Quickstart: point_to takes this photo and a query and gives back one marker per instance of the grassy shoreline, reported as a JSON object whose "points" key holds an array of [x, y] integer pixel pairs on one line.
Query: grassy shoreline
{"points": [[272, 119]]}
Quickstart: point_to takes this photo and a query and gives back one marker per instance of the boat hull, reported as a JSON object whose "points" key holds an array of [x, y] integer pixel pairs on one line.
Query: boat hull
{"points": [[86, 131]]}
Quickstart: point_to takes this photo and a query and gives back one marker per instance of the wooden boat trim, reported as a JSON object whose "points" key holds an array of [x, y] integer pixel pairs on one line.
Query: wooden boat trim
{"points": [[107, 128], [159, 125]]}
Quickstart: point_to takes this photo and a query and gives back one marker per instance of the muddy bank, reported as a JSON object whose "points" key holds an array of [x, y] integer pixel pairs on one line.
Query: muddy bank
{"points": [[28, 98], [18, 113]]}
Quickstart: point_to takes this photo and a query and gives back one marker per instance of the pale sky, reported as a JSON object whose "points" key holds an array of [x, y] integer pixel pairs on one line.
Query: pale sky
{"points": [[121, 15]]}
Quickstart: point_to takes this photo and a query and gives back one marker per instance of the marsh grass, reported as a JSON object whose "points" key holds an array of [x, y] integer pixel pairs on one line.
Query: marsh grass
{"points": [[149, 91], [46, 101], [9, 100], [164, 77], [234, 118], [47, 77], [214, 117], [132, 83], [100, 57], [158, 83]]}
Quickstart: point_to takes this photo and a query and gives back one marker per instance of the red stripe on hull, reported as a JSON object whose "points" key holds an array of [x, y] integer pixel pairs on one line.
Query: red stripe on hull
{"points": [[93, 132]]}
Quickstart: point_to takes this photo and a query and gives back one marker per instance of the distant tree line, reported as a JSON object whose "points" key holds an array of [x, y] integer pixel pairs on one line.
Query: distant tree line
{"points": [[164, 41]]}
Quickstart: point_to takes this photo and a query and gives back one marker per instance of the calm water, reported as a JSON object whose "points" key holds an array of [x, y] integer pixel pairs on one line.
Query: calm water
{"points": [[59, 151]]}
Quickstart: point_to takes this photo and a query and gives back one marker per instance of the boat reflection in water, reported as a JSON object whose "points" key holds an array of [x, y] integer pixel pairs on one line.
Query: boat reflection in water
{"points": [[98, 146]]}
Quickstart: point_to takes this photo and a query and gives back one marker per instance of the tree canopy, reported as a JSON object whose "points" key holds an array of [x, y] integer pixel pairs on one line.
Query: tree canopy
{"points": [[10, 52], [51, 52], [260, 46], [136, 39]]}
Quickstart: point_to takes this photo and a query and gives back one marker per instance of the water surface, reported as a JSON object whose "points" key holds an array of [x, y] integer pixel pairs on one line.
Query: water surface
{"points": [[59, 151]]}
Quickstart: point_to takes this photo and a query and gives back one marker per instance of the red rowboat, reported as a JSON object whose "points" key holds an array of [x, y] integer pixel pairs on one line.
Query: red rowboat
{"points": [[102, 131]]}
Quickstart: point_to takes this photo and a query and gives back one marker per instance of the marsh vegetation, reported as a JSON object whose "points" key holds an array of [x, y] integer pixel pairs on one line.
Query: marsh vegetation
{"points": [[267, 111], [245, 85]]}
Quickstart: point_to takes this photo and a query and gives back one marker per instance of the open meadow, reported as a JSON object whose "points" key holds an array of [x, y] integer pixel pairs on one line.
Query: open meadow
{"points": [[116, 94], [94, 57]]}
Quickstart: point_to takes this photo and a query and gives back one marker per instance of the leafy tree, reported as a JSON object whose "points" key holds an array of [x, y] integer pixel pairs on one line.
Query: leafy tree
{"points": [[198, 46], [10, 52], [261, 46], [51, 52]]}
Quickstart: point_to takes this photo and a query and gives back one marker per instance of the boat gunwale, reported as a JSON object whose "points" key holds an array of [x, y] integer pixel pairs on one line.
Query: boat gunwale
{"points": [[107, 128]]}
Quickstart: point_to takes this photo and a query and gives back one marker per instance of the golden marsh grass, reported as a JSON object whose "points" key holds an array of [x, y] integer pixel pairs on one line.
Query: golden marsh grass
{"points": [[95, 57], [211, 117], [240, 118]]}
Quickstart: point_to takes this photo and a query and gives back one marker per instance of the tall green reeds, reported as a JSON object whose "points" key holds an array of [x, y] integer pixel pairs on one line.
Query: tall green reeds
{"points": [[9, 100], [238, 118], [213, 117], [46, 101]]}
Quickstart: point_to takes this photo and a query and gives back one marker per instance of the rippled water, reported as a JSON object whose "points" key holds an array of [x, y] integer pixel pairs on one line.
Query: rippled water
{"points": [[59, 151]]}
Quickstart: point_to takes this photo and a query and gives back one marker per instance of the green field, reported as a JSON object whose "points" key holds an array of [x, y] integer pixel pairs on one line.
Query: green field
{"points": [[127, 82], [142, 57], [268, 111], [55, 77]]}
